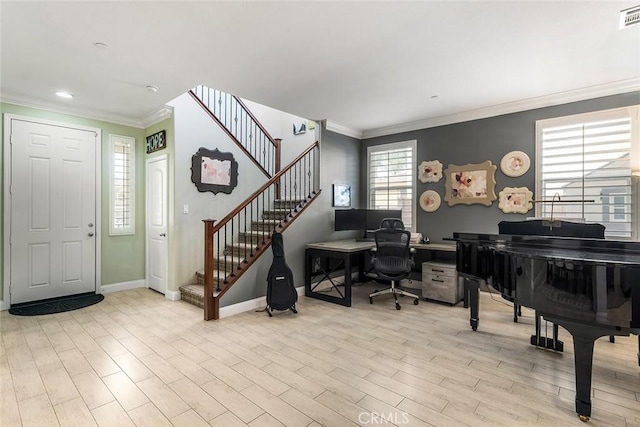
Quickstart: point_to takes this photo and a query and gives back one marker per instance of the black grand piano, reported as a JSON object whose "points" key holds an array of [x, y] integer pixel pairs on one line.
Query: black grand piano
{"points": [[591, 287]]}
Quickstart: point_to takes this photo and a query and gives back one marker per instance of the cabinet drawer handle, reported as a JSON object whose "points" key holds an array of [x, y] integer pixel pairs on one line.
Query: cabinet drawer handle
{"points": [[436, 280], [439, 271]]}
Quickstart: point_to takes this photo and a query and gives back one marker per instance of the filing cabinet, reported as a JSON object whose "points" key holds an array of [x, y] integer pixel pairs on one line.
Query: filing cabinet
{"points": [[440, 282]]}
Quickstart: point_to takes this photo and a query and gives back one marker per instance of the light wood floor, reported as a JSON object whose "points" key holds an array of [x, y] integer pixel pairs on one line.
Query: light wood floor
{"points": [[139, 359]]}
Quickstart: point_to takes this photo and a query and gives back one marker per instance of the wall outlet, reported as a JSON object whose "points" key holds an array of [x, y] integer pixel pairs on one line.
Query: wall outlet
{"points": [[185, 209]]}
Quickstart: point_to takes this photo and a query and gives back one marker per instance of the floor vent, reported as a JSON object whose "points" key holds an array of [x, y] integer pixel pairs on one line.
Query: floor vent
{"points": [[629, 17]]}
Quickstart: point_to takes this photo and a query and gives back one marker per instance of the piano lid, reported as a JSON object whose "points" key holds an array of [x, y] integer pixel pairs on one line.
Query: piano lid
{"points": [[595, 250]]}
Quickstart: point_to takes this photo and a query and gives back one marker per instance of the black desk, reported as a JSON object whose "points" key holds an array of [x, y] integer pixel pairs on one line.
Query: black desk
{"points": [[325, 258]]}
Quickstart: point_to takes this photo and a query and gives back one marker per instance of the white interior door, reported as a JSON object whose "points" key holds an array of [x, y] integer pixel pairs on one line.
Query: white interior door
{"points": [[156, 220], [53, 211]]}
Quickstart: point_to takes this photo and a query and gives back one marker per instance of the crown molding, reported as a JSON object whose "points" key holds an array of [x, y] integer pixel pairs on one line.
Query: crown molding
{"points": [[341, 129], [162, 114], [56, 108], [612, 88]]}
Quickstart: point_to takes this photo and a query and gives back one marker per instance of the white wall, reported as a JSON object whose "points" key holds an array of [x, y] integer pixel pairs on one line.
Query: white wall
{"points": [[195, 129], [280, 125]]}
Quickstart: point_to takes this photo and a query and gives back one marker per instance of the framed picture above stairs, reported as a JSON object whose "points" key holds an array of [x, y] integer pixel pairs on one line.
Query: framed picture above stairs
{"points": [[212, 170]]}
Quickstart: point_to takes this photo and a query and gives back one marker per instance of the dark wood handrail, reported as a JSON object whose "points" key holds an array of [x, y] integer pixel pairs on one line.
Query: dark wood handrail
{"points": [[266, 185], [232, 136], [239, 101]]}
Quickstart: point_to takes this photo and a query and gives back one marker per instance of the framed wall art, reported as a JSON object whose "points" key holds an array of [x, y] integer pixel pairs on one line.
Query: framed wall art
{"points": [[341, 195], [214, 171], [515, 163], [515, 200], [430, 171], [299, 128], [470, 184]]}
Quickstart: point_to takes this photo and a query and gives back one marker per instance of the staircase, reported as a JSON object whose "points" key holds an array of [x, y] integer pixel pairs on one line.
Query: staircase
{"points": [[234, 243], [247, 242], [241, 126]]}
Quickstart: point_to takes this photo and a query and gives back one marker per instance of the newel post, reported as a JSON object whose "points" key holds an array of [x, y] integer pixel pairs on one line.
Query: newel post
{"points": [[277, 164], [211, 304]]}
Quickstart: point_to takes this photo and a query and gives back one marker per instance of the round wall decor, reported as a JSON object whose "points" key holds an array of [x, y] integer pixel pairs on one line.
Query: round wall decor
{"points": [[515, 163], [430, 201]]}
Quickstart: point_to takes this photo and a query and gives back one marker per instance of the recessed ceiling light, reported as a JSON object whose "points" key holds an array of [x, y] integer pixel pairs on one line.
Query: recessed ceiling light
{"points": [[64, 94], [100, 45], [152, 88]]}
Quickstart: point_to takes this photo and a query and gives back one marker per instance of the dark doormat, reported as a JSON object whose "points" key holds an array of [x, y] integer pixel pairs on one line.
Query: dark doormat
{"points": [[56, 305]]}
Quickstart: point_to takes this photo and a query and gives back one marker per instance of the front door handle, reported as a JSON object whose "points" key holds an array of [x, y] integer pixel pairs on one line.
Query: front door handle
{"points": [[163, 235], [90, 234]]}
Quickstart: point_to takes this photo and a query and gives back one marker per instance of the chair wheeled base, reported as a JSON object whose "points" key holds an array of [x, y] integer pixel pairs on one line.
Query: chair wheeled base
{"points": [[395, 291]]}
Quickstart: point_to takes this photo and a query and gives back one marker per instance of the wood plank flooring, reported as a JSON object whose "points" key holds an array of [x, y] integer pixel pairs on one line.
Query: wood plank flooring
{"points": [[137, 359]]}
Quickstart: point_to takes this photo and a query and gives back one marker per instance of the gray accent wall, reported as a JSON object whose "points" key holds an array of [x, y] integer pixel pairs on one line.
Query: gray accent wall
{"points": [[474, 142]]}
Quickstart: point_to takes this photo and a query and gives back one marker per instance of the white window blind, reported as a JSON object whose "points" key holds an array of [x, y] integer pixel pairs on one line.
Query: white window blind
{"points": [[589, 157], [122, 185], [391, 169]]}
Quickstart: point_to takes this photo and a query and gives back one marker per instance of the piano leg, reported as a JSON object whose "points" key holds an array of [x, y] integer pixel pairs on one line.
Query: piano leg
{"points": [[583, 341], [583, 349], [465, 293], [472, 292]]}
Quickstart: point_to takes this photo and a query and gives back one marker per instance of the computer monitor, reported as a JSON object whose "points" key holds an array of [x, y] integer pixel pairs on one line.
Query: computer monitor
{"points": [[375, 216], [350, 219]]}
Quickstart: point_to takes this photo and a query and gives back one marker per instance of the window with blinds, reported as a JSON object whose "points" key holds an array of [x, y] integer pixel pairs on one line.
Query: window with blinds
{"points": [[589, 159], [391, 179], [122, 185]]}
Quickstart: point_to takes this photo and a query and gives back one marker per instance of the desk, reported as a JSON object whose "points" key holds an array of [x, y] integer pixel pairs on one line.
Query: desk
{"points": [[325, 258]]}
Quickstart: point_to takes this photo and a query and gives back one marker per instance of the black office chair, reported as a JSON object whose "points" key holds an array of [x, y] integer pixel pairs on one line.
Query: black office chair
{"points": [[392, 224], [392, 258]]}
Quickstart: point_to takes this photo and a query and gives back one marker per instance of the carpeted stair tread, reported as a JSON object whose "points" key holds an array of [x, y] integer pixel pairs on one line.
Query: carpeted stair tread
{"points": [[200, 277], [193, 294]]}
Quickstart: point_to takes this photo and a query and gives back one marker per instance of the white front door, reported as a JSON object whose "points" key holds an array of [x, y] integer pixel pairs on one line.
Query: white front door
{"points": [[156, 230], [53, 211]]}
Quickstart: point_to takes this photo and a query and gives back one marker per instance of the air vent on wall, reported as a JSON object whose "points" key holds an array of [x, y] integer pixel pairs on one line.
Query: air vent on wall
{"points": [[629, 17]]}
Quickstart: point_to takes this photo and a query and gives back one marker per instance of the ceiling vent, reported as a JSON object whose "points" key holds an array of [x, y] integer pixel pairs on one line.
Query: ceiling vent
{"points": [[629, 17]]}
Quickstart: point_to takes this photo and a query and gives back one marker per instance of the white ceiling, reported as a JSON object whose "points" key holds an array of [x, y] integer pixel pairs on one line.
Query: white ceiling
{"points": [[368, 67]]}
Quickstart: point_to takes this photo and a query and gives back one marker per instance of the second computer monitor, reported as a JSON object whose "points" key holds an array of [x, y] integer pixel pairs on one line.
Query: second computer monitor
{"points": [[350, 219]]}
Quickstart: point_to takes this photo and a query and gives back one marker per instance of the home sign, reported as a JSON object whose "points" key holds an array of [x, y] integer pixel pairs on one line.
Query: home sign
{"points": [[156, 142]]}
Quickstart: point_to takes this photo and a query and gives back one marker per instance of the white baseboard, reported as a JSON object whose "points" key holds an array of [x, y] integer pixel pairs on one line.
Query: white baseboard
{"points": [[172, 295], [2, 307], [253, 304], [123, 286]]}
